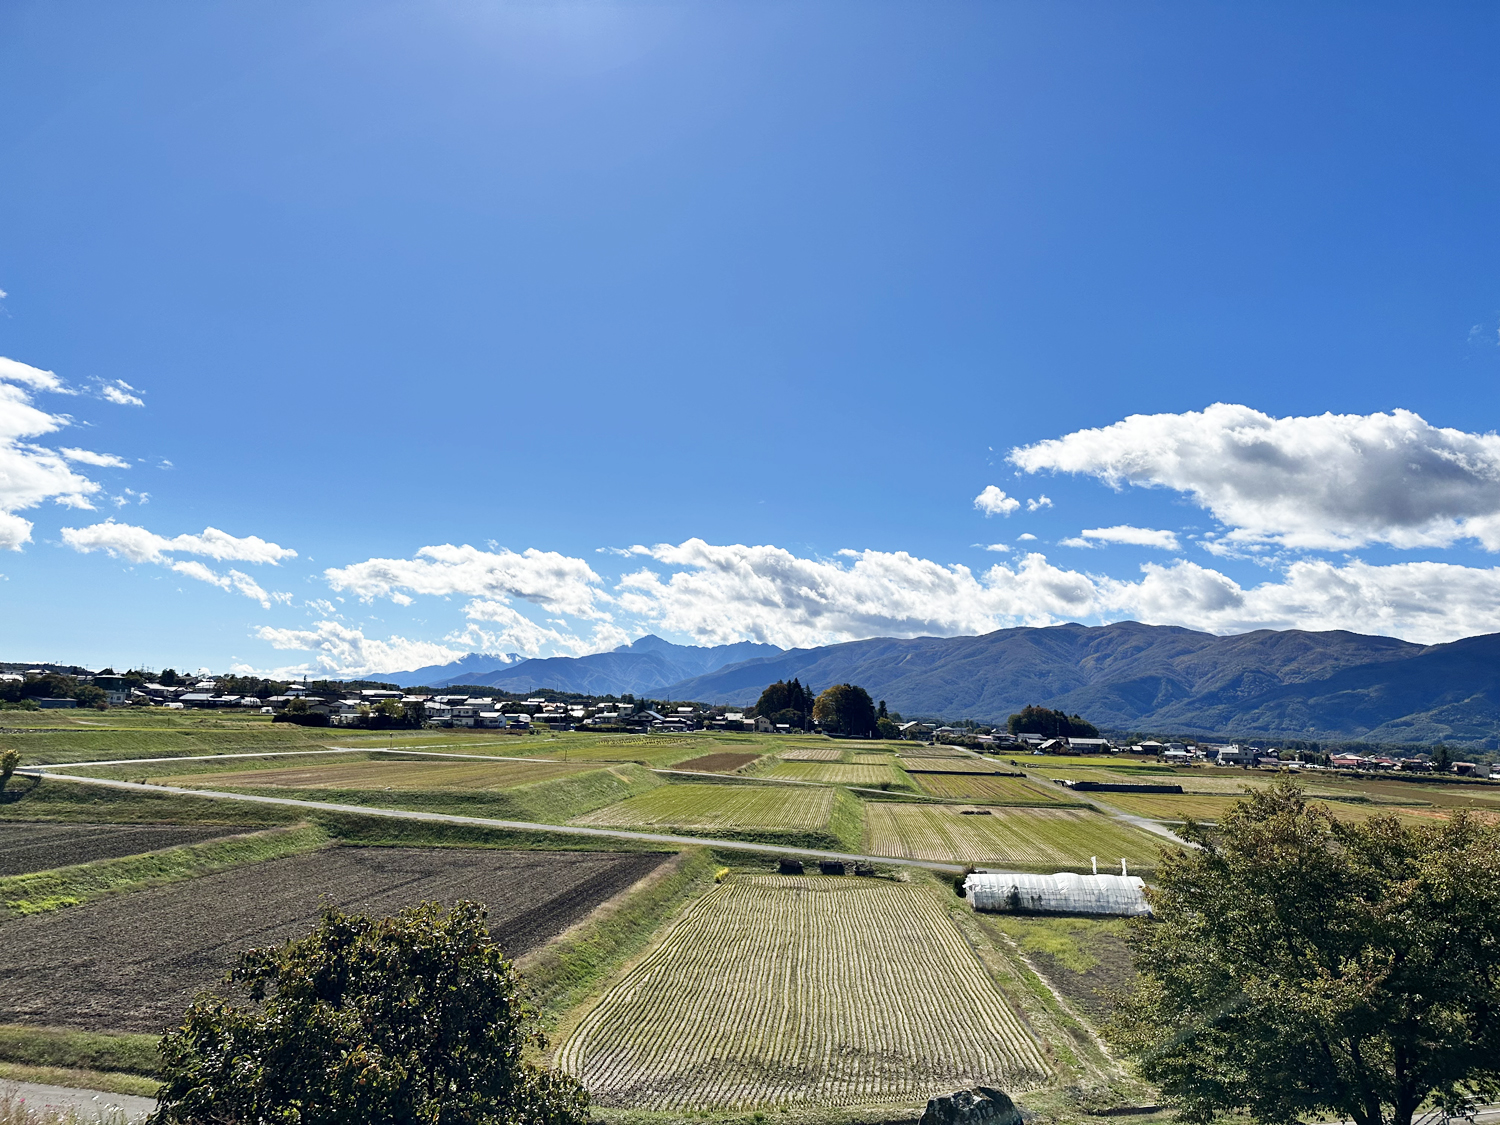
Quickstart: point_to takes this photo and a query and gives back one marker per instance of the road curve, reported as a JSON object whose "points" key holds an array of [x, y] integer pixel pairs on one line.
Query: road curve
{"points": [[485, 822]]}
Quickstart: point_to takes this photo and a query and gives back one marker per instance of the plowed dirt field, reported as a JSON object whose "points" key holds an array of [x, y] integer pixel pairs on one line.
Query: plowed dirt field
{"points": [[134, 962], [27, 846]]}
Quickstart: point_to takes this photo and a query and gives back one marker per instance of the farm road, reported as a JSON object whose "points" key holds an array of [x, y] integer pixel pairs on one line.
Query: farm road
{"points": [[485, 822]]}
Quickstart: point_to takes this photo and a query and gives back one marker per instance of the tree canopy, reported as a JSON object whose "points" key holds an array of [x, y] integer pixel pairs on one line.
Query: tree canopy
{"points": [[1303, 966], [1054, 724], [846, 709], [413, 1018], [786, 696]]}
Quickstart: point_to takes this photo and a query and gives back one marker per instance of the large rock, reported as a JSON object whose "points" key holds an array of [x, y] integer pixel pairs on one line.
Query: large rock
{"points": [[968, 1107]]}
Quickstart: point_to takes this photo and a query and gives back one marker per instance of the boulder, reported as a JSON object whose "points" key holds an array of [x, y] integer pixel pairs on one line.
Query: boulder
{"points": [[969, 1107]]}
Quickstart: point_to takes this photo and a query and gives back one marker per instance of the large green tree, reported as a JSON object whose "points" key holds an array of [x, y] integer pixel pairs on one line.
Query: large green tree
{"points": [[786, 701], [414, 1018], [1299, 967], [846, 709], [1054, 724]]}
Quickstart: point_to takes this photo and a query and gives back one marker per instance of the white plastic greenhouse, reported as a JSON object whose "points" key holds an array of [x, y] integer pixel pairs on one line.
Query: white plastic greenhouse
{"points": [[1062, 893]]}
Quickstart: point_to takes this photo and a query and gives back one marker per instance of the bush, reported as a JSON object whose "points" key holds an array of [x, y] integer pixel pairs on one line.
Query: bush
{"points": [[413, 1018]]}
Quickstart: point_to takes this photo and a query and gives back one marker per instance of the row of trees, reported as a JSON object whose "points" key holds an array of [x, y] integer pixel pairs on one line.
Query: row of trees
{"points": [[842, 709], [1053, 724]]}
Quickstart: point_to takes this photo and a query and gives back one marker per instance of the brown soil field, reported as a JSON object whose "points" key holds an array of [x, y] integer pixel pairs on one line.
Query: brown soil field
{"points": [[133, 962], [28, 846], [723, 762]]}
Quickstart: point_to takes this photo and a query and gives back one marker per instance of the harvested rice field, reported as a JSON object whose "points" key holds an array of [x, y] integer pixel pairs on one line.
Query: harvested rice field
{"points": [[726, 761], [27, 846], [987, 789], [786, 990], [720, 807], [133, 962], [832, 773], [874, 759], [1020, 837], [499, 774], [948, 765], [813, 754]]}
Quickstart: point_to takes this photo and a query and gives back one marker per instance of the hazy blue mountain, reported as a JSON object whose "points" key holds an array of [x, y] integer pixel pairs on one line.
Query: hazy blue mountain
{"points": [[1128, 676], [475, 663], [640, 668]]}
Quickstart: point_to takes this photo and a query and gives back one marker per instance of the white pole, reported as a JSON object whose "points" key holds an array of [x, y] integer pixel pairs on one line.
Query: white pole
{"points": [[1123, 870], [1095, 861]]}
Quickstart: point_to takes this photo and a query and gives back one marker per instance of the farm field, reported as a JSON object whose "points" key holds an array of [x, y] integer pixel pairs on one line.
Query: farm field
{"points": [[987, 789], [133, 962], [965, 764], [724, 808], [379, 774], [1014, 837], [725, 761], [773, 990], [27, 846], [834, 773], [813, 754]]}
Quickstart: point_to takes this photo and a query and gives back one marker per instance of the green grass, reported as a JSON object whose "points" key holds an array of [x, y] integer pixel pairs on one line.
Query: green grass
{"points": [[563, 974], [61, 887], [78, 1050], [31, 799], [806, 817]]}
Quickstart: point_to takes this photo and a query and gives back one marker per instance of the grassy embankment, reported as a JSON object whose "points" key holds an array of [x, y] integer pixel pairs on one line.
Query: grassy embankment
{"points": [[116, 1064]]}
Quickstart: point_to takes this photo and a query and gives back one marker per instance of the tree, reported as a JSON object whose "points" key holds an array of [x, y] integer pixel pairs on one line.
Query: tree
{"points": [[413, 1018], [90, 696], [886, 728], [1301, 966], [9, 760], [168, 677], [1442, 758], [1052, 724], [846, 709]]}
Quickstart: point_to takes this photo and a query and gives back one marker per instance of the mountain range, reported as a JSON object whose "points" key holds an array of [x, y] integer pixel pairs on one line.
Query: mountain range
{"points": [[1121, 677]]}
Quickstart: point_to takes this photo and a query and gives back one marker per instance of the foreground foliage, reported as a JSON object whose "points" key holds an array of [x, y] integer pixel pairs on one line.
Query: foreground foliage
{"points": [[1300, 965], [412, 1018]]}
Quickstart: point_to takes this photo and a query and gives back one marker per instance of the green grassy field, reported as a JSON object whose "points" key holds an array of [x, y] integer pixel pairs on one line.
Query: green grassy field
{"points": [[1025, 838], [340, 773], [812, 817], [787, 991]]}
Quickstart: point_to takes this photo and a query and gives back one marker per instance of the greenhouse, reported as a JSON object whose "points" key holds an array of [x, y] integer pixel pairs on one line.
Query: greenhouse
{"points": [[1062, 893]]}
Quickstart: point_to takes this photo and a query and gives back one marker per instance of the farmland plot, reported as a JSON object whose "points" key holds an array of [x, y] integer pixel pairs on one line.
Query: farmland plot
{"points": [[813, 754], [720, 807], [344, 775], [1021, 837], [132, 962], [782, 990], [946, 764], [986, 789], [832, 773], [29, 846]]}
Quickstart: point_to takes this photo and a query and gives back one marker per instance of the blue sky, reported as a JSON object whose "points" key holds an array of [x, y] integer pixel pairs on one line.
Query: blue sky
{"points": [[714, 320]]}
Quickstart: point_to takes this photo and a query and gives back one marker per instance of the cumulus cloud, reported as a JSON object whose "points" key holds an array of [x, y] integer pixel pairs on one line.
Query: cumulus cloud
{"points": [[31, 474], [1124, 533], [993, 502], [344, 650], [544, 578], [1334, 481], [138, 545], [1000, 548], [1043, 501]]}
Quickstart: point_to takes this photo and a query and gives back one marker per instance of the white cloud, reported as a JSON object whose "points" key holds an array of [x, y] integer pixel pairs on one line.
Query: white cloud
{"points": [[118, 393], [544, 578], [1124, 533], [343, 650], [1043, 501], [103, 460], [138, 545], [1025, 537], [1001, 548], [1334, 481], [993, 502], [31, 474]]}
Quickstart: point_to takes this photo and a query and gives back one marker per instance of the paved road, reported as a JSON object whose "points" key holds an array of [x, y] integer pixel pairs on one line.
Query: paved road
{"points": [[90, 1104], [485, 822]]}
